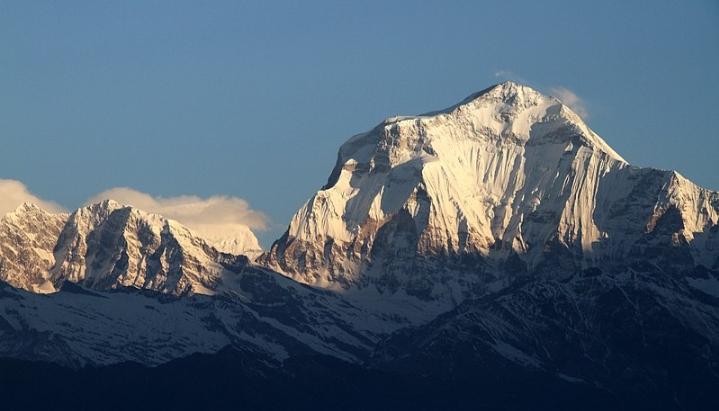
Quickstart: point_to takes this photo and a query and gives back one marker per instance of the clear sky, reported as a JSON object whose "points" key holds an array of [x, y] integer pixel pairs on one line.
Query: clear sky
{"points": [[252, 99]]}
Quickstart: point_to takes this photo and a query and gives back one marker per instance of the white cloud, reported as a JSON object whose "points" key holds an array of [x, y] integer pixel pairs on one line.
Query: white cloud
{"points": [[508, 75], [572, 100], [188, 209], [224, 220], [13, 193]]}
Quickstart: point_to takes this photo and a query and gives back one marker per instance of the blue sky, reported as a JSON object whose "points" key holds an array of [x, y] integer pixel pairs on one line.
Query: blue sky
{"points": [[252, 99]]}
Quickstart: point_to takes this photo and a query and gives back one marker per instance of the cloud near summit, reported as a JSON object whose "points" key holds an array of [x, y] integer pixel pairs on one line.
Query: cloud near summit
{"points": [[572, 100], [215, 216], [13, 193], [193, 211], [565, 95]]}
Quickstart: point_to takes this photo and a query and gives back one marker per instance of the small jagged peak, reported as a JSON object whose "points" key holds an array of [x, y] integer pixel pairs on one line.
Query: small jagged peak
{"points": [[675, 177], [33, 208], [510, 90], [27, 207], [510, 93], [28, 211], [173, 226], [676, 182], [22, 209], [508, 84], [680, 178], [109, 204], [104, 207], [96, 211]]}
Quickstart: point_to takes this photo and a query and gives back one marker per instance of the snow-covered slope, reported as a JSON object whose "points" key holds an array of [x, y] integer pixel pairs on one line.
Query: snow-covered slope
{"points": [[259, 312], [641, 334], [235, 239], [454, 203]]}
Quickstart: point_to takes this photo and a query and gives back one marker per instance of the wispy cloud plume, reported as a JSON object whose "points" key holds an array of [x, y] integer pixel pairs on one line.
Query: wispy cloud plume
{"points": [[509, 75], [14, 193], [571, 99]]}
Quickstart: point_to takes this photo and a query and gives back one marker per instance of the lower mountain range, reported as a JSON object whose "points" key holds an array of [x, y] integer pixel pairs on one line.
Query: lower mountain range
{"points": [[497, 254]]}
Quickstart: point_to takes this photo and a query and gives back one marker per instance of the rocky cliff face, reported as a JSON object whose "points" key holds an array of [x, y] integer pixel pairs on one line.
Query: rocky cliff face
{"points": [[27, 239], [449, 204], [108, 246]]}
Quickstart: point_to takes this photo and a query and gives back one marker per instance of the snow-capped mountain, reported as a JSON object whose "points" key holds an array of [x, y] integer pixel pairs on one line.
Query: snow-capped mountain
{"points": [[455, 203], [27, 239], [126, 285], [108, 245], [499, 240]]}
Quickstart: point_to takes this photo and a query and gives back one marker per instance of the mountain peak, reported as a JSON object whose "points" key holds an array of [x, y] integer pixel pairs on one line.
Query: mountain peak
{"points": [[25, 208], [28, 210], [507, 111], [107, 204], [236, 239], [504, 175], [511, 109], [107, 245], [510, 91], [27, 239]]}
